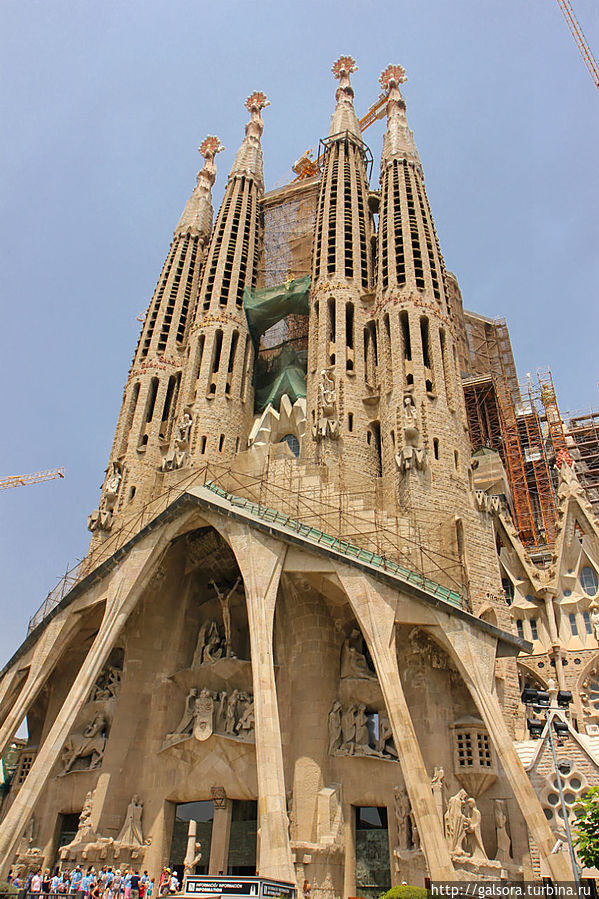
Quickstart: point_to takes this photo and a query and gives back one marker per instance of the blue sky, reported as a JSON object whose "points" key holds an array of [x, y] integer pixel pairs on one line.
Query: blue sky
{"points": [[103, 106]]}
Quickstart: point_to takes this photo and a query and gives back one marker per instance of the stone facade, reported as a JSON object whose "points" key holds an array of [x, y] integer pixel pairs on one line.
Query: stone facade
{"points": [[300, 634]]}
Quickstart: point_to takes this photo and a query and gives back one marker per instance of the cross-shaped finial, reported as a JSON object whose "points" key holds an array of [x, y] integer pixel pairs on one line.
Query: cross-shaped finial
{"points": [[392, 75], [343, 66]]}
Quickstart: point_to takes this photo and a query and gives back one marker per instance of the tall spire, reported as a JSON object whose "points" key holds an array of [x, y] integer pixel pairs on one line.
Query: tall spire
{"points": [[344, 118], [398, 140], [198, 213], [249, 156]]}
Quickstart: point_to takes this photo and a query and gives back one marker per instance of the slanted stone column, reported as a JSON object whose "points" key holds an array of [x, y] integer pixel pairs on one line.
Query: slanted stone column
{"points": [[473, 652], [42, 662], [374, 609], [260, 560], [123, 590]]}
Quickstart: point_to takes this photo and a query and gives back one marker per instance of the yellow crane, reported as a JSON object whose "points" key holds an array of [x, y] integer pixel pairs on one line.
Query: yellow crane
{"points": [[306, 167], [581, 41], [20, 480]]}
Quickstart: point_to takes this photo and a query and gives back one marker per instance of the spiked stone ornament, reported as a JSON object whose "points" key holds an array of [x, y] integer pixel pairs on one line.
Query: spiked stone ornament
{"points": [[344, 118], [392, 76], [343, 67], [210, 146], [258, 100]]}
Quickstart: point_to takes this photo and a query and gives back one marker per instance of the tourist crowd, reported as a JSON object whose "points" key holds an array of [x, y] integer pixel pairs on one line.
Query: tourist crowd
{"points": [[104, 883]]}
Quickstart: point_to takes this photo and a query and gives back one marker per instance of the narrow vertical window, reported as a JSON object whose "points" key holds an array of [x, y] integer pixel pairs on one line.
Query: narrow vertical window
{"points": [[231, 363], [534, 629], [573, 624], [151, 399], [349, 325], [444, 363], [405, 333], [246, 352], [426, 353]]}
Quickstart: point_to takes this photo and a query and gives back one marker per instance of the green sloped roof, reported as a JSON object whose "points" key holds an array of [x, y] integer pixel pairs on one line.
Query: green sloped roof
{"points": [[264, 308]]}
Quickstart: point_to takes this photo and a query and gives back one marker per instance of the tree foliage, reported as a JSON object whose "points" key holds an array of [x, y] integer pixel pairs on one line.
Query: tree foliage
{"points": [[586, 827]]}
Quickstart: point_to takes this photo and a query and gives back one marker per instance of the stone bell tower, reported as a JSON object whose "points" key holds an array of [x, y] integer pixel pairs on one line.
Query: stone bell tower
{"points": [[144, 430], [341, 381], [424, 438], [218, 392]]}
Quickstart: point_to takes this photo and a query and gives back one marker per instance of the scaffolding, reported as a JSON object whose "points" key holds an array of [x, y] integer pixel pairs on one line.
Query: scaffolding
{"points": [[335, 508], [582, 440], [289, 219], [482, 411]]}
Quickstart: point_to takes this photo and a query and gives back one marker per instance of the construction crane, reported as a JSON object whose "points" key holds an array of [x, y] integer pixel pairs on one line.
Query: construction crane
{"points": [[581, 41], [20, 480], [306, 167]]}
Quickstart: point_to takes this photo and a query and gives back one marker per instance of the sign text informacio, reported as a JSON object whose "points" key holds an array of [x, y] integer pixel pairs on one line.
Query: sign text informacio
{"points": [[202, 886]]}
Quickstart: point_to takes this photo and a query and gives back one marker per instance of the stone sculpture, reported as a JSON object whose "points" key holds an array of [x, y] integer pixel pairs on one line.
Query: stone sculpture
{"points": [[327, 424], [504, 844], [473, 831], [595, 619], [185, 725], [349, 733], [402, 809], [177, 456], [438, 788], [193, 854], [131, 834], [411, 455], [353, 658], [207, 712], [84, 828], [334, 727], [88, 745], [224, 601], [455, 824], [108, 684]]}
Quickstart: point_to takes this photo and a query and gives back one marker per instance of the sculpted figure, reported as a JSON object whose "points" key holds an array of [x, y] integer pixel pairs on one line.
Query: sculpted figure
{"points": [[411, 455], [474, 833], [193, 854], [334, 727], [213, 649], [353, 659], [402, 815], [88, 745], [328, 421], [245, 725], [183, 429], [362, 736], [231, 713], [504, 843], [226, 613], [348, 729], [455, 823], [131, 833], [84, 827], [185, 725], [385, 743], [198, 655], [108, 685], [595, 619]]}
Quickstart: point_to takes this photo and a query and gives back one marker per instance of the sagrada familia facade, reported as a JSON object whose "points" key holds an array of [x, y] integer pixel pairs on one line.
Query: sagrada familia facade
{"points": [[314, 591]]}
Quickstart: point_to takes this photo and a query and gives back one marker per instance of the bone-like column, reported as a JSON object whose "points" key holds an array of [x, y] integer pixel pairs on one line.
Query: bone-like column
{"points": [[473, 652], [122, 593], [260, 561], [40, 667], [374, 609]]}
